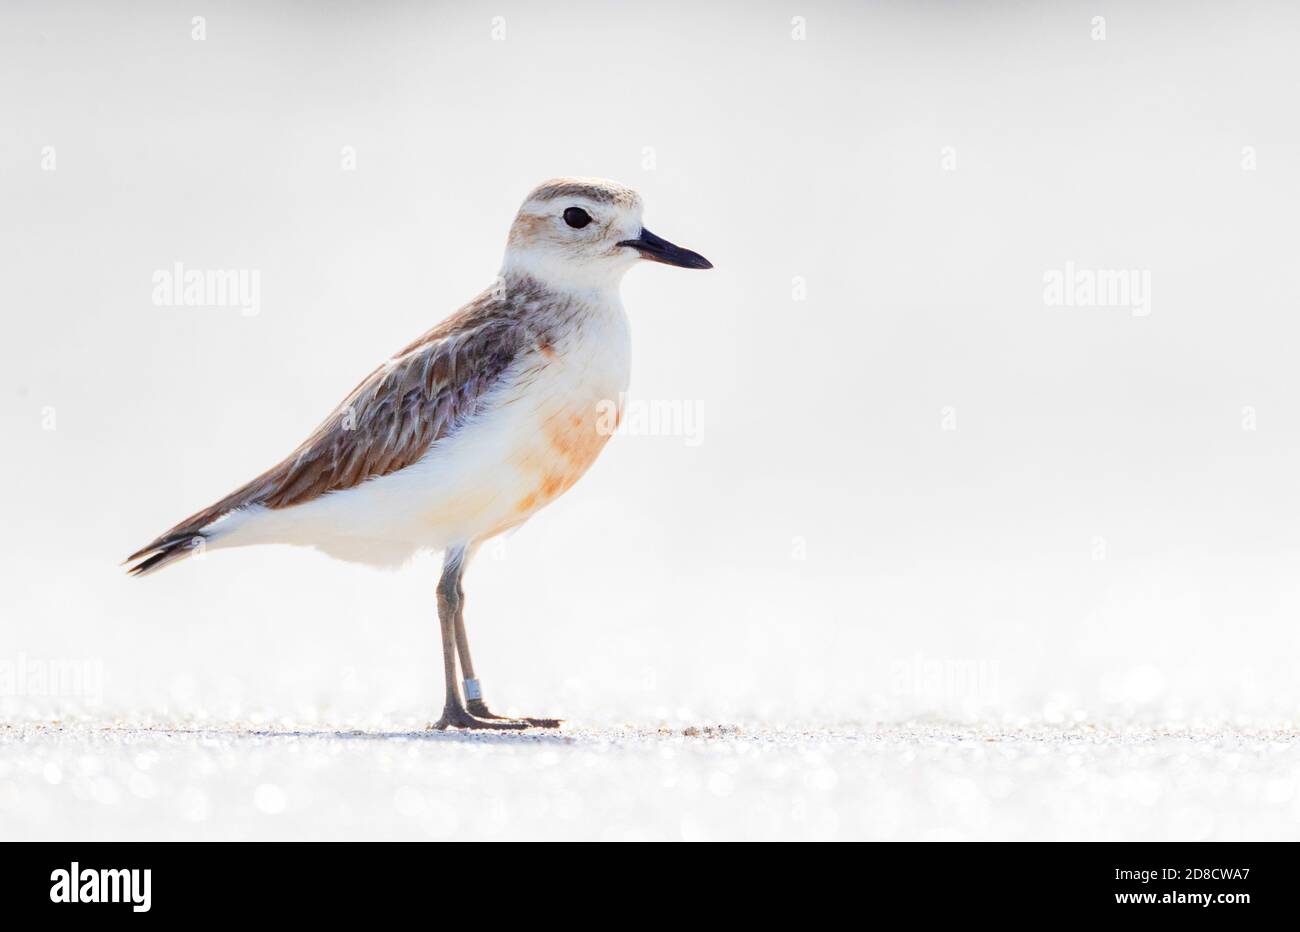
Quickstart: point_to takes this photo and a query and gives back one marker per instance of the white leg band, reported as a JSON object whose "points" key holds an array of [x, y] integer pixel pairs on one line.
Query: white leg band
{"points": [[472, 689]]}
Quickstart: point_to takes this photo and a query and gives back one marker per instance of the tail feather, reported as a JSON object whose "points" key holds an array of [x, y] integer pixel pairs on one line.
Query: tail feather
{"points": [[183, 539], [164, 552]]}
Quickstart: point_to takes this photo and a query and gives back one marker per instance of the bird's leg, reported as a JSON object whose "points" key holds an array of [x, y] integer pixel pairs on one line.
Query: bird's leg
{"points": [[473, 690], [454, 714]]}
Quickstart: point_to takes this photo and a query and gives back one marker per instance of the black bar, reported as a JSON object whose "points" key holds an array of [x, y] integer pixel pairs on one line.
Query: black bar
{"points": [[1218, 882]]}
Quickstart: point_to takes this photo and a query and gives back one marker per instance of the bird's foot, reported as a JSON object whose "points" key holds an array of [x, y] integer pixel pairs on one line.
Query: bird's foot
{"points": [[458, 717], [478, 708]]}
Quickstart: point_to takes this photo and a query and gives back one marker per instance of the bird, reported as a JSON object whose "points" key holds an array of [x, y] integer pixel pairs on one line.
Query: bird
{"points": [[468, 431]]}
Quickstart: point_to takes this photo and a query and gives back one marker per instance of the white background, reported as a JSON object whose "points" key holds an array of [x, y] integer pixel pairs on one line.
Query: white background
{"points": [[826, 553]]}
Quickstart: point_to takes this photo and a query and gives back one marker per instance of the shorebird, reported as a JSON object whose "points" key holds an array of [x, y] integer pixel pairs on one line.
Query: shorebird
{"points": [[470, 430]]}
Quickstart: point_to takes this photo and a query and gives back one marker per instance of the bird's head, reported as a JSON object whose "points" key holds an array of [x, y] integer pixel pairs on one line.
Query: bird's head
{"points": [[585, 233]]}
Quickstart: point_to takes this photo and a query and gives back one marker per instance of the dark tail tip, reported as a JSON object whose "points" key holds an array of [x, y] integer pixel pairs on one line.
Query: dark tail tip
{"points": [[163, 553]]}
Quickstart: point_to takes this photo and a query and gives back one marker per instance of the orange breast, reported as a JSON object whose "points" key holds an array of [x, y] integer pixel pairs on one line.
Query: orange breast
{"points": [[565, 446]]}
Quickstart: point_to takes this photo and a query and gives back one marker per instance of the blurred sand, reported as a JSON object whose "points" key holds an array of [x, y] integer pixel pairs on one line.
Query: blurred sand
{"points": [[692, 782]]}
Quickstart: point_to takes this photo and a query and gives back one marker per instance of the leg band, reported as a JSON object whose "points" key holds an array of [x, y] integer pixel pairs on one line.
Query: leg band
{"points": [[472, 689]]}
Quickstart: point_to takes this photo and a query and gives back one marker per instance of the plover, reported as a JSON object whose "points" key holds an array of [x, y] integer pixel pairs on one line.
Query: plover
{"points": [[470, 430]]}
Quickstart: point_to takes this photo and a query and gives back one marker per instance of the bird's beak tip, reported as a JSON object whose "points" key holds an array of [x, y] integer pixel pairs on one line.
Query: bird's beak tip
{"points": [[657, 249]]}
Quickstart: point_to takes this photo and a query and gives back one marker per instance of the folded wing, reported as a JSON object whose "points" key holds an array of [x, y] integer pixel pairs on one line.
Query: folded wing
{"points": [[387, 423]]}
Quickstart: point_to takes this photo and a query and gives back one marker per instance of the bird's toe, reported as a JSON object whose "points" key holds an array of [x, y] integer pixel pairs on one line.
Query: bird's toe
{"points": [[478, 708], [459, 718]]}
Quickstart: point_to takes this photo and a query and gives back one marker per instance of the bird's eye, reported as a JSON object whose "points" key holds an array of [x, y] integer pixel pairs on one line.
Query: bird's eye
{"points": [[576, 217]]}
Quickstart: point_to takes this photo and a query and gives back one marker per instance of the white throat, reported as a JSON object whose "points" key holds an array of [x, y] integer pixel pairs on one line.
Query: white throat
{"points": [[566, 276]]}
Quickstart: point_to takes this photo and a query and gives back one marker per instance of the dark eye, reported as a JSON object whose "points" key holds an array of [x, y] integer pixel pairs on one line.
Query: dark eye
{"points": [[576, 217]]}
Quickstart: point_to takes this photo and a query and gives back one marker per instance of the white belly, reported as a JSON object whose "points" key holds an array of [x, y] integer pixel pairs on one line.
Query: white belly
{"points": [[543, 429]]}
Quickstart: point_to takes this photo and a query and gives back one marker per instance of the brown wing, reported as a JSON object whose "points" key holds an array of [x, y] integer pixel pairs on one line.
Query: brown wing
{"points": [[388, 421]]}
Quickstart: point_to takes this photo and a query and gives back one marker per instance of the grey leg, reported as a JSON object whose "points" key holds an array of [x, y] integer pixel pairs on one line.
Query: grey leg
{"points": [[454, 714], [473, 691]]}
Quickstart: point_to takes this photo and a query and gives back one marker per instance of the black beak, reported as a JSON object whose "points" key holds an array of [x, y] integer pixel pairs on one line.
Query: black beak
{"points": [[657, 249]]}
